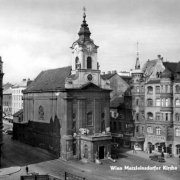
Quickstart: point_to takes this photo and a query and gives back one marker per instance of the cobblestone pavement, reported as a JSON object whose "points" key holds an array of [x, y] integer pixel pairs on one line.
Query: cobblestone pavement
{"points": [[18, 154]]}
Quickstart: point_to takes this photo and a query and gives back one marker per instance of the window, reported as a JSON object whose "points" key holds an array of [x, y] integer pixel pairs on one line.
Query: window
{"points": [[177, 102], [177, 132], [150, 116], [89, 62], [177, 116], [162, 88], [158, 131], [166, 88], [137, 116], [137, 129], [166, 102], [157, 89], [150, 90], [137, 102], [89, 118], [158, 116], [77, 63], [137, 89], [166, 114], [149, 102], [177, 89], [149, 129], [142, 89], [142, 129], [162, 102], [158, 102], [41, 113]]}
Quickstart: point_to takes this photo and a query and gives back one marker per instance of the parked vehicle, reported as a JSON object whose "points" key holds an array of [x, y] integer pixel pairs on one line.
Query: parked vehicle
{"points": [[9, 131], [157, 158]]}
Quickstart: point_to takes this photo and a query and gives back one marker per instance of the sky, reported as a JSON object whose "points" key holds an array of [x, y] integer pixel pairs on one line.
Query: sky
{"points": [[36, 35]]}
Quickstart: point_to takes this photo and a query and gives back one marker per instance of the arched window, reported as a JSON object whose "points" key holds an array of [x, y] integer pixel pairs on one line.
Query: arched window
{"points": [[149, 129], [149, 102], [177, 117], [77, 63], [137, 89], [89, 62], [150, 116], [177, 102], [41, 113], [177, 89], [158, 131], [177, 132], [89, 118], [150, 90]]}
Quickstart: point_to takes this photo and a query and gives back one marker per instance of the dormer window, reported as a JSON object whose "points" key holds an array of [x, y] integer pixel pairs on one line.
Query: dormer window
{"points": [[89, 62]]}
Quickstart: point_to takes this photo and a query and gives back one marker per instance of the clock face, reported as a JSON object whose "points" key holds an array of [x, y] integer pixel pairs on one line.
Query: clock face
{"points": [[89, 77]]}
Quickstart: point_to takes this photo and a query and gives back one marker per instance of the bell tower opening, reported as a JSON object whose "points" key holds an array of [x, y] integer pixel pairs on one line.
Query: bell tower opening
{"points": [[89, 62]]}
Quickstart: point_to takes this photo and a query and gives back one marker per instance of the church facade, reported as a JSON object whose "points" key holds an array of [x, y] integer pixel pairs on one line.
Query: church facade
{"points": [[66, 110]]}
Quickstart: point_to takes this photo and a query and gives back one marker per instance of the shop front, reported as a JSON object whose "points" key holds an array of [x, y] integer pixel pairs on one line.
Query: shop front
{"points": [[137, 143]]}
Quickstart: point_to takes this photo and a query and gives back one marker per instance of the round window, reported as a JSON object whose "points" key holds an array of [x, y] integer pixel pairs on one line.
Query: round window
{"points": [[89, 77]]}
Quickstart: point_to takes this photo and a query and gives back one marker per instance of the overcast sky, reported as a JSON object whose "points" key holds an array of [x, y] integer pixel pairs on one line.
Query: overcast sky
{"points": [[35, 35]]}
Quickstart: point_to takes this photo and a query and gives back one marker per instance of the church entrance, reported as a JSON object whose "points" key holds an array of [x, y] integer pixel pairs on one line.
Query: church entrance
{"points": [[101, 152]]}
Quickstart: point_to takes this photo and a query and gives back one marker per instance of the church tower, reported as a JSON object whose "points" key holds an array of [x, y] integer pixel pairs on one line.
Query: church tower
{"points": [[1, 110], [85, 67]]}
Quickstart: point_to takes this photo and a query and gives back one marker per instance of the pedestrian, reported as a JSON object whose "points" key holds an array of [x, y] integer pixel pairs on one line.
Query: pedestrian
{"points": [[162, 154], [134, 150], [27, 169]]}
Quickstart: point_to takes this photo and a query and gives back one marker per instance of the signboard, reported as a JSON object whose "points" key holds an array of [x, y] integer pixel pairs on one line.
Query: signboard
{"points": [[69, 176], [116, 135], [156, 138]]}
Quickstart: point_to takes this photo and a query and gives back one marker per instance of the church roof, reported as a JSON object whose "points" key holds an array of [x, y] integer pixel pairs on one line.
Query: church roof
{"points": [[50, 80]]}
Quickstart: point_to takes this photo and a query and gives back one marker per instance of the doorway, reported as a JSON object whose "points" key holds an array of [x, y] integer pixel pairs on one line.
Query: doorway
{"points": [[101, 152]]}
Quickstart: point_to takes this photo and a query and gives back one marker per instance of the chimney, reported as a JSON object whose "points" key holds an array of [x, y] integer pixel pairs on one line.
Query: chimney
{"points": [[109, 72], [113, 71]]}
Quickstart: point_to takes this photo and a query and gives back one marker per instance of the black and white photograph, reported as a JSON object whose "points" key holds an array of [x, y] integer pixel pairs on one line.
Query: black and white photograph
{"points": [[89, 89]]}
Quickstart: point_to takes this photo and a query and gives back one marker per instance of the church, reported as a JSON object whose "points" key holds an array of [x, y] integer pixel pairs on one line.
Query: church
{"points": [[66, 110]]}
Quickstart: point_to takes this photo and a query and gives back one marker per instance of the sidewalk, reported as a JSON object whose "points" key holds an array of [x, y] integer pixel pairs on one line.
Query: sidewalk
{"points": [[9, 171], [142, 154]]}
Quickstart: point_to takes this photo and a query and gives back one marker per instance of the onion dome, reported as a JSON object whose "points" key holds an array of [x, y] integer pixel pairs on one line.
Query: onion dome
{"points": [[84, 33], [166, 74]]}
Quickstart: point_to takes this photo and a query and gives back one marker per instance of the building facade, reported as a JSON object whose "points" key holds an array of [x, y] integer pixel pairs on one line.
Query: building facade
{"points": [[156, 106], [66, 110], [17, 102], [7, 104]]}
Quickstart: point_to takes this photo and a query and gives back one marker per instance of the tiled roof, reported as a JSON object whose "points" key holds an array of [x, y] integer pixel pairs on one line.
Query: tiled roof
{"points": [[50, 80], [171, 66], [178, 67], [166, 73], [18, 113], [107, 76], [7, 91], [148, 66]]}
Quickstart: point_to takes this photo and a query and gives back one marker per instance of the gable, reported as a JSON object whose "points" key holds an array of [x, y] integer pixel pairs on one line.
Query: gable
{"points": [[90, 87]]}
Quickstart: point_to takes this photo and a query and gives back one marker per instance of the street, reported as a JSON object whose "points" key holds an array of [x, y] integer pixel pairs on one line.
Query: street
{"points": [[18, 154]]}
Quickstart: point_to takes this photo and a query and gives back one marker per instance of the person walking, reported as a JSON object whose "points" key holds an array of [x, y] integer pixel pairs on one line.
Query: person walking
{"points": [[162, 154], [27, 169]]}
